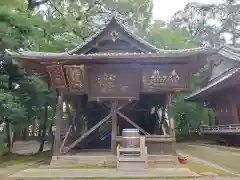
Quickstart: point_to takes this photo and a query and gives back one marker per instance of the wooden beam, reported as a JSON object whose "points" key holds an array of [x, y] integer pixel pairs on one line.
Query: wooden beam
{"points": [[86, 134], [133, 104], [132, 123], [65, 138], [59, 114], [114, 126]]}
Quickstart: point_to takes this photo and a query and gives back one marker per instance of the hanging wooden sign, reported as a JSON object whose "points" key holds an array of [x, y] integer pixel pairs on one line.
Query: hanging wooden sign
{"points": [[156, 78], [57, 76], [113, 82], [75, 77]]}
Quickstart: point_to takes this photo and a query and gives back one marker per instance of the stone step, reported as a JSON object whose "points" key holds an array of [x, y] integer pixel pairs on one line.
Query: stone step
{"points": [[132, 165], [109, 161]]}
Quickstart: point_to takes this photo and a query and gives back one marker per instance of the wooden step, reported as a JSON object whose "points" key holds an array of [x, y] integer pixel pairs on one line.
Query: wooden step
{"points": [[129, 149]]}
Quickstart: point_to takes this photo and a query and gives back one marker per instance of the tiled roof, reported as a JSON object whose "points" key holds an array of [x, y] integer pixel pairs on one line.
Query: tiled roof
{"points": [[224, 77]]}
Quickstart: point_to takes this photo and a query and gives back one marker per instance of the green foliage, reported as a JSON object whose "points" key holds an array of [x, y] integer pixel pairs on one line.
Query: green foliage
{"points": [[188, 115], [11, 107], [165, 37]]}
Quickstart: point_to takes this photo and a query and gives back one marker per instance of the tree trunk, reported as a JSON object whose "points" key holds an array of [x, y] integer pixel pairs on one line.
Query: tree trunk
{"points": [[39, 127], [50, 130], [33, 128], [8, 136], [44, 127], [24, 134]]}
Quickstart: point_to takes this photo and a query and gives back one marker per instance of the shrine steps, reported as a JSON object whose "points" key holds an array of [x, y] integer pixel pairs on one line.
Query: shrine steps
{"points": [[108, 161]]}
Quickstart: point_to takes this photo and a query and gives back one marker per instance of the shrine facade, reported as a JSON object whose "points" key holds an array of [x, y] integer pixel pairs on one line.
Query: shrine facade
{"points": [[114, 80]]}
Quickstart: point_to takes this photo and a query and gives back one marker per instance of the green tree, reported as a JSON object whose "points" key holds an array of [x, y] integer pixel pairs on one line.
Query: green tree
{"points": [[165, 37], [209, 22], [21, 95]]}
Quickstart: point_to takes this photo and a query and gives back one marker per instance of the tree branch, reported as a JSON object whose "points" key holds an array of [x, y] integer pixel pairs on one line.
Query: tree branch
{"points": [[56, 9]]}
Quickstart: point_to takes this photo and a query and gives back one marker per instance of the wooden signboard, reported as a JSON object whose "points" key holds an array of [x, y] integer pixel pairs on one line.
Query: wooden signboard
{"points": [[106, 82], [75, 77], [159, 77], [57, 76]]}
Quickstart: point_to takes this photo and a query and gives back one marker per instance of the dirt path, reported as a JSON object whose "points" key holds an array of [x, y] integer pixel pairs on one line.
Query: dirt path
{"points": [[10, 170], [200, 178], [223, 158]]}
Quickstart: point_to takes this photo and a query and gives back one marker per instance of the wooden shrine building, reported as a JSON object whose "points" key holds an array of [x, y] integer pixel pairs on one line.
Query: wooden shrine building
{"points": [[114, 80], [222, 94]]}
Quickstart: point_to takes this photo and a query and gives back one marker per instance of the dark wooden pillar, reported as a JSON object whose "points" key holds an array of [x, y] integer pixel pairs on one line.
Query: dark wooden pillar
{"points": [[234, 110], [59, 114], [171, 115], [114, 126]]}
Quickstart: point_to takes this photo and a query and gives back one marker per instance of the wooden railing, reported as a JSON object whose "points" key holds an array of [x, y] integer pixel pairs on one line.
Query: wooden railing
{"points": [[220, 129]]}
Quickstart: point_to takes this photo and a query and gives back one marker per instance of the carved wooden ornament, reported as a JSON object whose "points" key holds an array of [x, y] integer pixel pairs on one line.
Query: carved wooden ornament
{"points": [[155, 78], [57, 76], [75, 76]]}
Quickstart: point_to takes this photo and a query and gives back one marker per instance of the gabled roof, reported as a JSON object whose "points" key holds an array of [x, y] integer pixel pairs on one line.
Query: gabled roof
{"points": [[114, 23]]}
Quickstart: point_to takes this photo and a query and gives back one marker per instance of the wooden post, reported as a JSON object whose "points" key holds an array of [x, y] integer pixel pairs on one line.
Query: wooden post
{"points": [[170, 115], [59, 114], [114, 127]]}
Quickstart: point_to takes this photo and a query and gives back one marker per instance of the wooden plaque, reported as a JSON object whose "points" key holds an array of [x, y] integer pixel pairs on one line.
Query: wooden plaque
{"points": [[75, 77], [107, 82], [159, 77], [57, 76]]}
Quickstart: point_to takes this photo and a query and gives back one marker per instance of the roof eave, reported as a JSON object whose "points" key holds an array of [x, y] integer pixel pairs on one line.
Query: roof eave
{"points": [[204, 92], [64, 56]]}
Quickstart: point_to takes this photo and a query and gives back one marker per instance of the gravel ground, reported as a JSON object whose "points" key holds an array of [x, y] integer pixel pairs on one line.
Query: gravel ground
{"points": [[223, 158]]}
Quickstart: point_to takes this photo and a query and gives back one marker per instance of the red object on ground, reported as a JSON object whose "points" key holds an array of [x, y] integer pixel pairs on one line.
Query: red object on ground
{"points": [[182, 159]]}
